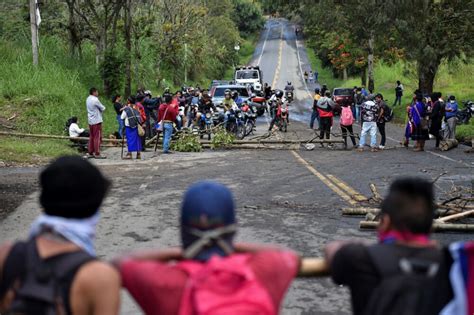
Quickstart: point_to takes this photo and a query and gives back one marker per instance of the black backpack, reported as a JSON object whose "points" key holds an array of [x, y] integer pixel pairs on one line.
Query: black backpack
{"points": [[388, 113], [408, 286], [43, 286]]}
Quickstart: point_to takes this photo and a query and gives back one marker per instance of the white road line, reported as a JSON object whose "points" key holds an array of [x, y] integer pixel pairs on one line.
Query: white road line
{"points": [[438, 155], [301, 68], [264, 44], [143, 186]]}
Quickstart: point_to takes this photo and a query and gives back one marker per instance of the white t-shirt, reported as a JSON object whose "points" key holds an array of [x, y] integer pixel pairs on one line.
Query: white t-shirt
{"points": [[74, 130]]}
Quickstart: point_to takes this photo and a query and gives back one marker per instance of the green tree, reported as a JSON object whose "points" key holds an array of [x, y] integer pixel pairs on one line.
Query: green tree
{"points": [[248, 16], [433, 31]]}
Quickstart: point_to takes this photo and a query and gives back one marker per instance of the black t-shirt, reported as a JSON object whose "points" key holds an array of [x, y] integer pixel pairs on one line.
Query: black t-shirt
{"points": [[117, 107], [353, 267]]}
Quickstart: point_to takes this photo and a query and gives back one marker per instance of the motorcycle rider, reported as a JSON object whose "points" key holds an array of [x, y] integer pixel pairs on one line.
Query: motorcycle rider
{"points": [[275, 102], [289, 88], [205, 106], [229, 106], [237, 99]]}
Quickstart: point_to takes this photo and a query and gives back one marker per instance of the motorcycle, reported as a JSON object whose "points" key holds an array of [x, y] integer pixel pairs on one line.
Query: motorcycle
{"points": [[282, 117], [289, 96], [250, 118], [464, 116], [235, 124], [206, 125]]}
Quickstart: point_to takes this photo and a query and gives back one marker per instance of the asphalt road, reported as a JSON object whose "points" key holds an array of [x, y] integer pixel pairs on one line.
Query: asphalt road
{"points": [[288, 197]]}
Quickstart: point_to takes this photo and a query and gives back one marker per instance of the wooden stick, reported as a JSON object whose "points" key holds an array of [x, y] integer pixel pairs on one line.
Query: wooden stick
{"points": [[359, 211], [43, 136], [313, 267], [236, 142], [375, 192], [455, 216], [437, 227]]}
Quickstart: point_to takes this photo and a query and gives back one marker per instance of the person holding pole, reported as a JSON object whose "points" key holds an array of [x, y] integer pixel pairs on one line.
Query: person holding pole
{"points": [[239, 278], [406, 272]]}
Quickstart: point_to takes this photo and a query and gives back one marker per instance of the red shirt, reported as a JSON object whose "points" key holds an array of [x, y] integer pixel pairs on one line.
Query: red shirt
{"points": [[158, 287], [141, 110], [170, 114]]}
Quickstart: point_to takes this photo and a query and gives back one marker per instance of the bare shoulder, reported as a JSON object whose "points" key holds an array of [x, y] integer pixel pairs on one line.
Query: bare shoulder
{"points": [[4, 251], [98, 274]]}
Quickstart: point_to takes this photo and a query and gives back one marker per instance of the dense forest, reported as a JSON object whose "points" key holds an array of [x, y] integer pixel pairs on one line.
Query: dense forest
{"points": [[351, 36], [138, 42]]}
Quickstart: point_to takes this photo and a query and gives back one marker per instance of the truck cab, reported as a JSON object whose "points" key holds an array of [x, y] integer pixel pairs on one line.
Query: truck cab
{"points": [[251, 75]]}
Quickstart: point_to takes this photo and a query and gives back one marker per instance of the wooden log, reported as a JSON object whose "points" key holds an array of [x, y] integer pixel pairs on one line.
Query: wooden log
{"points": [[448, 144], [375, 192], [370, 217], [236, 142], [359, 211], [43, 136], [313, 267], [437, 227], [454, 216]]}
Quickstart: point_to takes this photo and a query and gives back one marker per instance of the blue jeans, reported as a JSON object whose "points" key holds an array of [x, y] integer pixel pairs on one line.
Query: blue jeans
{"points": [[314, 116], [167, 133], [120, 125], [357, 113], [368, 127]]}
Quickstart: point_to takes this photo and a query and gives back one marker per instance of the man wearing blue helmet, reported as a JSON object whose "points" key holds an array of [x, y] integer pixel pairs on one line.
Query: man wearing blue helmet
{"points": [[210, 272]]}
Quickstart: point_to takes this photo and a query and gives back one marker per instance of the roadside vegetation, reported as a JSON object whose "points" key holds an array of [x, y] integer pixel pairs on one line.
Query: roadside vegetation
{"points": [[427, 45], [144, 47]]}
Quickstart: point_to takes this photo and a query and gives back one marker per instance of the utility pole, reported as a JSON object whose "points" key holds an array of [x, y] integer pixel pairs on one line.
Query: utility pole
{"points": [[185, 58], [34, 31]]}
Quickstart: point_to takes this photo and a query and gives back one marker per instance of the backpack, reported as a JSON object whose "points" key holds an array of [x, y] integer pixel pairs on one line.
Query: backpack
{"points": [[408, 286], [388, 113], [347, 119], [43, 285], [224, 285], [133, 116]]}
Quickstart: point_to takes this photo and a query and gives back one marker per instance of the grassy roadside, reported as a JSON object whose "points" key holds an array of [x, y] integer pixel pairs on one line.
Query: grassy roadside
{"points": [[42, 99], [453, 78]]}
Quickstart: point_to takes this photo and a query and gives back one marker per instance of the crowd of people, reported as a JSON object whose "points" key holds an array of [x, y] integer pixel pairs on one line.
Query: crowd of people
{"points": [[56, 269], [426, 115], [143, 116]]}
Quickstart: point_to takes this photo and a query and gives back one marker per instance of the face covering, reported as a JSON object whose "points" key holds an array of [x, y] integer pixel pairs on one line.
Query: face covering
{"points": [[81, 232]]}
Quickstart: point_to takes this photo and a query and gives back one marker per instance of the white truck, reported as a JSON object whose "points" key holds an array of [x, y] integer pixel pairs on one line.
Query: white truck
{"points": [[251, 75]]}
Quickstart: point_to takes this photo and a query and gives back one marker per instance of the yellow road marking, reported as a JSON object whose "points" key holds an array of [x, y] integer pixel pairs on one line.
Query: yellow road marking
{"points": [[351, 191], [326, 181], [277, 70]]}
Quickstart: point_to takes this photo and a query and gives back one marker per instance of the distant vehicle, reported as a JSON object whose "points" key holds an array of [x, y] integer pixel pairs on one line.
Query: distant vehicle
{"points": [[219, 82], [251, 75], [341, 96], [217, 92]]}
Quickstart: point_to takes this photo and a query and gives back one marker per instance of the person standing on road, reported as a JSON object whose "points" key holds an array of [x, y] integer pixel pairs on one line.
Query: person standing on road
{"points": [[325, 107], [315, 113], [369, 116], [118, 107], [311, 76], [56, 271], [150, 105], [167, 115], [437, 115], [398, 94], [141, 109], [132, 119], [359, 99], [346, 121], [94, 117], [405, 266], [451, 110], [420, 123], [239, 278], [381, 119]]}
